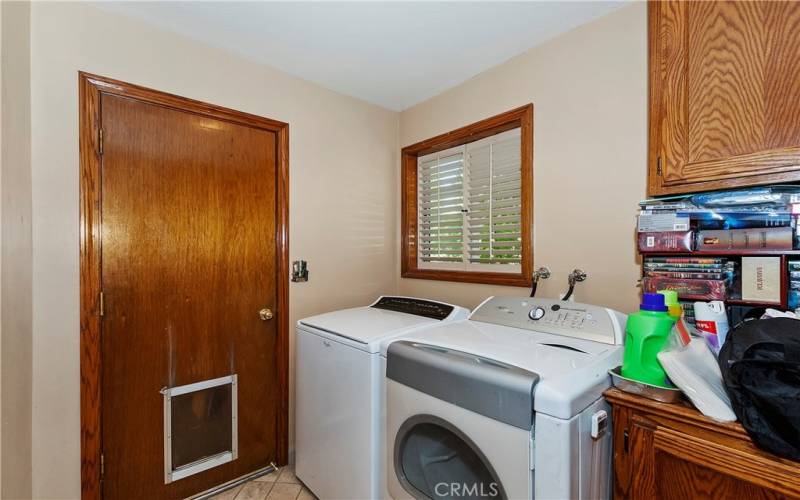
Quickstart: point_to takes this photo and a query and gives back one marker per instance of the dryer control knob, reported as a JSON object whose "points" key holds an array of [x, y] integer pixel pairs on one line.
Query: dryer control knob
{"points": [[536, 313]]}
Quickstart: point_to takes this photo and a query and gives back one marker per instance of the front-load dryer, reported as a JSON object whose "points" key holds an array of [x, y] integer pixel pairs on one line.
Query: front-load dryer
{"points": [[339, 414], [507, 404]]}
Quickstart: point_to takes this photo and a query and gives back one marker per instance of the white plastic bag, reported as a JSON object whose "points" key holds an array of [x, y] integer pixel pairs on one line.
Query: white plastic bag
{"points": [[694, 370]]}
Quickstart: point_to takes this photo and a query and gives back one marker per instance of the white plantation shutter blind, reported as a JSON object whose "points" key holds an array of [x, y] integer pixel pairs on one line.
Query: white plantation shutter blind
{"points": [[494, 199], [470, 205], [441, 201]]}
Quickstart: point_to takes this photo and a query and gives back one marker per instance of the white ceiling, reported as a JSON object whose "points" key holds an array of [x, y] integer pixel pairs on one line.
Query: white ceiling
{"points": [[394, 54]]}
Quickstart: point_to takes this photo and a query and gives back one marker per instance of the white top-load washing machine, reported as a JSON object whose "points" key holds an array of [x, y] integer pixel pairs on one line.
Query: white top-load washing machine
{"points": [[507, 404], [339, 417]]}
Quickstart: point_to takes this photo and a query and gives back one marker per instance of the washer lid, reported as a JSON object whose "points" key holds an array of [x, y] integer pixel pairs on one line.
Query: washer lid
{"points": [[572, 372], [496, 390], [365, 327]]}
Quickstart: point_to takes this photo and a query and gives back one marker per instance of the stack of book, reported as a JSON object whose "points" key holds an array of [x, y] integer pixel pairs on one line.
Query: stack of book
{"points": [[694, 278], [756, 219]]}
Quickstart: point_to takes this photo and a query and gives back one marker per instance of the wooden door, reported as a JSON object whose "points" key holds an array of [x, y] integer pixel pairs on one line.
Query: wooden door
{"points": [[189, 227], [724, 94]]}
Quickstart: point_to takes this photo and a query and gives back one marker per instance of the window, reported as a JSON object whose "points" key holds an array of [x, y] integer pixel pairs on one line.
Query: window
{"points": [[469, 206], [467, 203]]}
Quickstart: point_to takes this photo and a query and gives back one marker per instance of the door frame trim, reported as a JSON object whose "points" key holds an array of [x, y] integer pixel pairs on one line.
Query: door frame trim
{"points": [[90, 88]]}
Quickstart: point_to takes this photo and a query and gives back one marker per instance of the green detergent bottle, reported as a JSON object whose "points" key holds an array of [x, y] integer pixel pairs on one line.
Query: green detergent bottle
{"points": [[645, 335]]}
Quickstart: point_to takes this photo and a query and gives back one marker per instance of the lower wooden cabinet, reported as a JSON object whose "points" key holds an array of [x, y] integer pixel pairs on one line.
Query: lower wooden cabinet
{"points": [[672, 451]]}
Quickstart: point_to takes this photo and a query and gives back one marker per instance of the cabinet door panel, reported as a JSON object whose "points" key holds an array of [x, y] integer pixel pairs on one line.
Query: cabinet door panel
{"points": [[725, 63], [679, 480], [633, 455], [783, 92], [672, 104], [687, 466], [725, 80], [622, 461]]}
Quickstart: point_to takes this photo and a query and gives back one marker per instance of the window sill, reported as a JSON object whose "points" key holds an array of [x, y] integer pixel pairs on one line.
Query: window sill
{"points": [[486, 278]]}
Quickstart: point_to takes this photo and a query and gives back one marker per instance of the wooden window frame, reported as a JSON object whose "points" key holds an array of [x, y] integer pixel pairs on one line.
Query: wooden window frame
{"points": [[521, 117]]}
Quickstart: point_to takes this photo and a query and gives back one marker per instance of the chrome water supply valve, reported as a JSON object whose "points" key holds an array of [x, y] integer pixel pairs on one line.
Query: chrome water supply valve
{"points": [[576, 276], [540, 274]]}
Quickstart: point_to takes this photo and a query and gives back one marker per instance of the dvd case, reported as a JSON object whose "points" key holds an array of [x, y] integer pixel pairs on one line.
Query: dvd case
{"points": [[688, 260], [794, 284], [689, 276], [692, 289], [794, 299]]}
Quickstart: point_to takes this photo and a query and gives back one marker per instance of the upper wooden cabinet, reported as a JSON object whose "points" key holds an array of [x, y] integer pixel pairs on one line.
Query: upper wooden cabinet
{"points": [[724, 94]]}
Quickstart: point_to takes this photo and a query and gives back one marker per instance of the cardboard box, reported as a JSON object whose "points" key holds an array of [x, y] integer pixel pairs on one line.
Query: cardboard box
{"points": [[761, 279]]}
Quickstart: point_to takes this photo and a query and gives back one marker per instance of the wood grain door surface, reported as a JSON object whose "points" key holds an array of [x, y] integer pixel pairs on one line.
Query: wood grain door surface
{"points": [[686, 466], [188, 259], [724, 94], [632, 459], [672, 451]]}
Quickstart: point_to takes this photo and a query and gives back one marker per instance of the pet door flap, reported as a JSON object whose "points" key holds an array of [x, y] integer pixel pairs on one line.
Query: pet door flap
{"points": [[199, 426]]}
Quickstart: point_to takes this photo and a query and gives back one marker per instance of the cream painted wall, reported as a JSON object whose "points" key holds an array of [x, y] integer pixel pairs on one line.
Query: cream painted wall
{"points": [[589, 90], [15, 260], [342, 207]]}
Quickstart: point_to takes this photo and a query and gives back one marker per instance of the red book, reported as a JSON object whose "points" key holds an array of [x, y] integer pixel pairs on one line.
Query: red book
{"points": [[666, 241]]}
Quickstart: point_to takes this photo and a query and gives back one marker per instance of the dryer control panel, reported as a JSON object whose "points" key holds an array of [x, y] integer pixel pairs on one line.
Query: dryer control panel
{"points": [[570, 319]]}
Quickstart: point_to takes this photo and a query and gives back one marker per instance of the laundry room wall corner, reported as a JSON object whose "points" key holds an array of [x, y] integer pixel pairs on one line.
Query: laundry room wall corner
{"points": [[16, 265], [589, 91], [326, 127]]}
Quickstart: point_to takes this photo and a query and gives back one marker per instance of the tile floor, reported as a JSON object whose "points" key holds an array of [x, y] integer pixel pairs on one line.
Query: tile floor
{"points": [[280, 485]]}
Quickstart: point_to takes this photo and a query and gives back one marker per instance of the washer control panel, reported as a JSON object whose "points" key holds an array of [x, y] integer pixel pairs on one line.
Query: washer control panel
{"points": [[584, 321]]}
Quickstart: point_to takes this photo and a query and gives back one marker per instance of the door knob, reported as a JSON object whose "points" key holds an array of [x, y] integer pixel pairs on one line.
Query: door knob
{"points": [[265, 314]]}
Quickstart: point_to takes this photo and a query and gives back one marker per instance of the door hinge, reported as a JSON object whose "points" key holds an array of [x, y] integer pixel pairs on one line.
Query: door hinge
{"points": [[102, 465], [659, 171], [100, 141], [102, 304]]}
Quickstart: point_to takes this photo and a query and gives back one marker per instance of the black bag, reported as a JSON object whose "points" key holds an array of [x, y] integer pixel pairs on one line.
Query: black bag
{"points": [[760, 364]]}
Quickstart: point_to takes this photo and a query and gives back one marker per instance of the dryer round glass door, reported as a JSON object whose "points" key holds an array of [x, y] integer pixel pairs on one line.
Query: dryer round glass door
{"points": [[433, 459]]}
